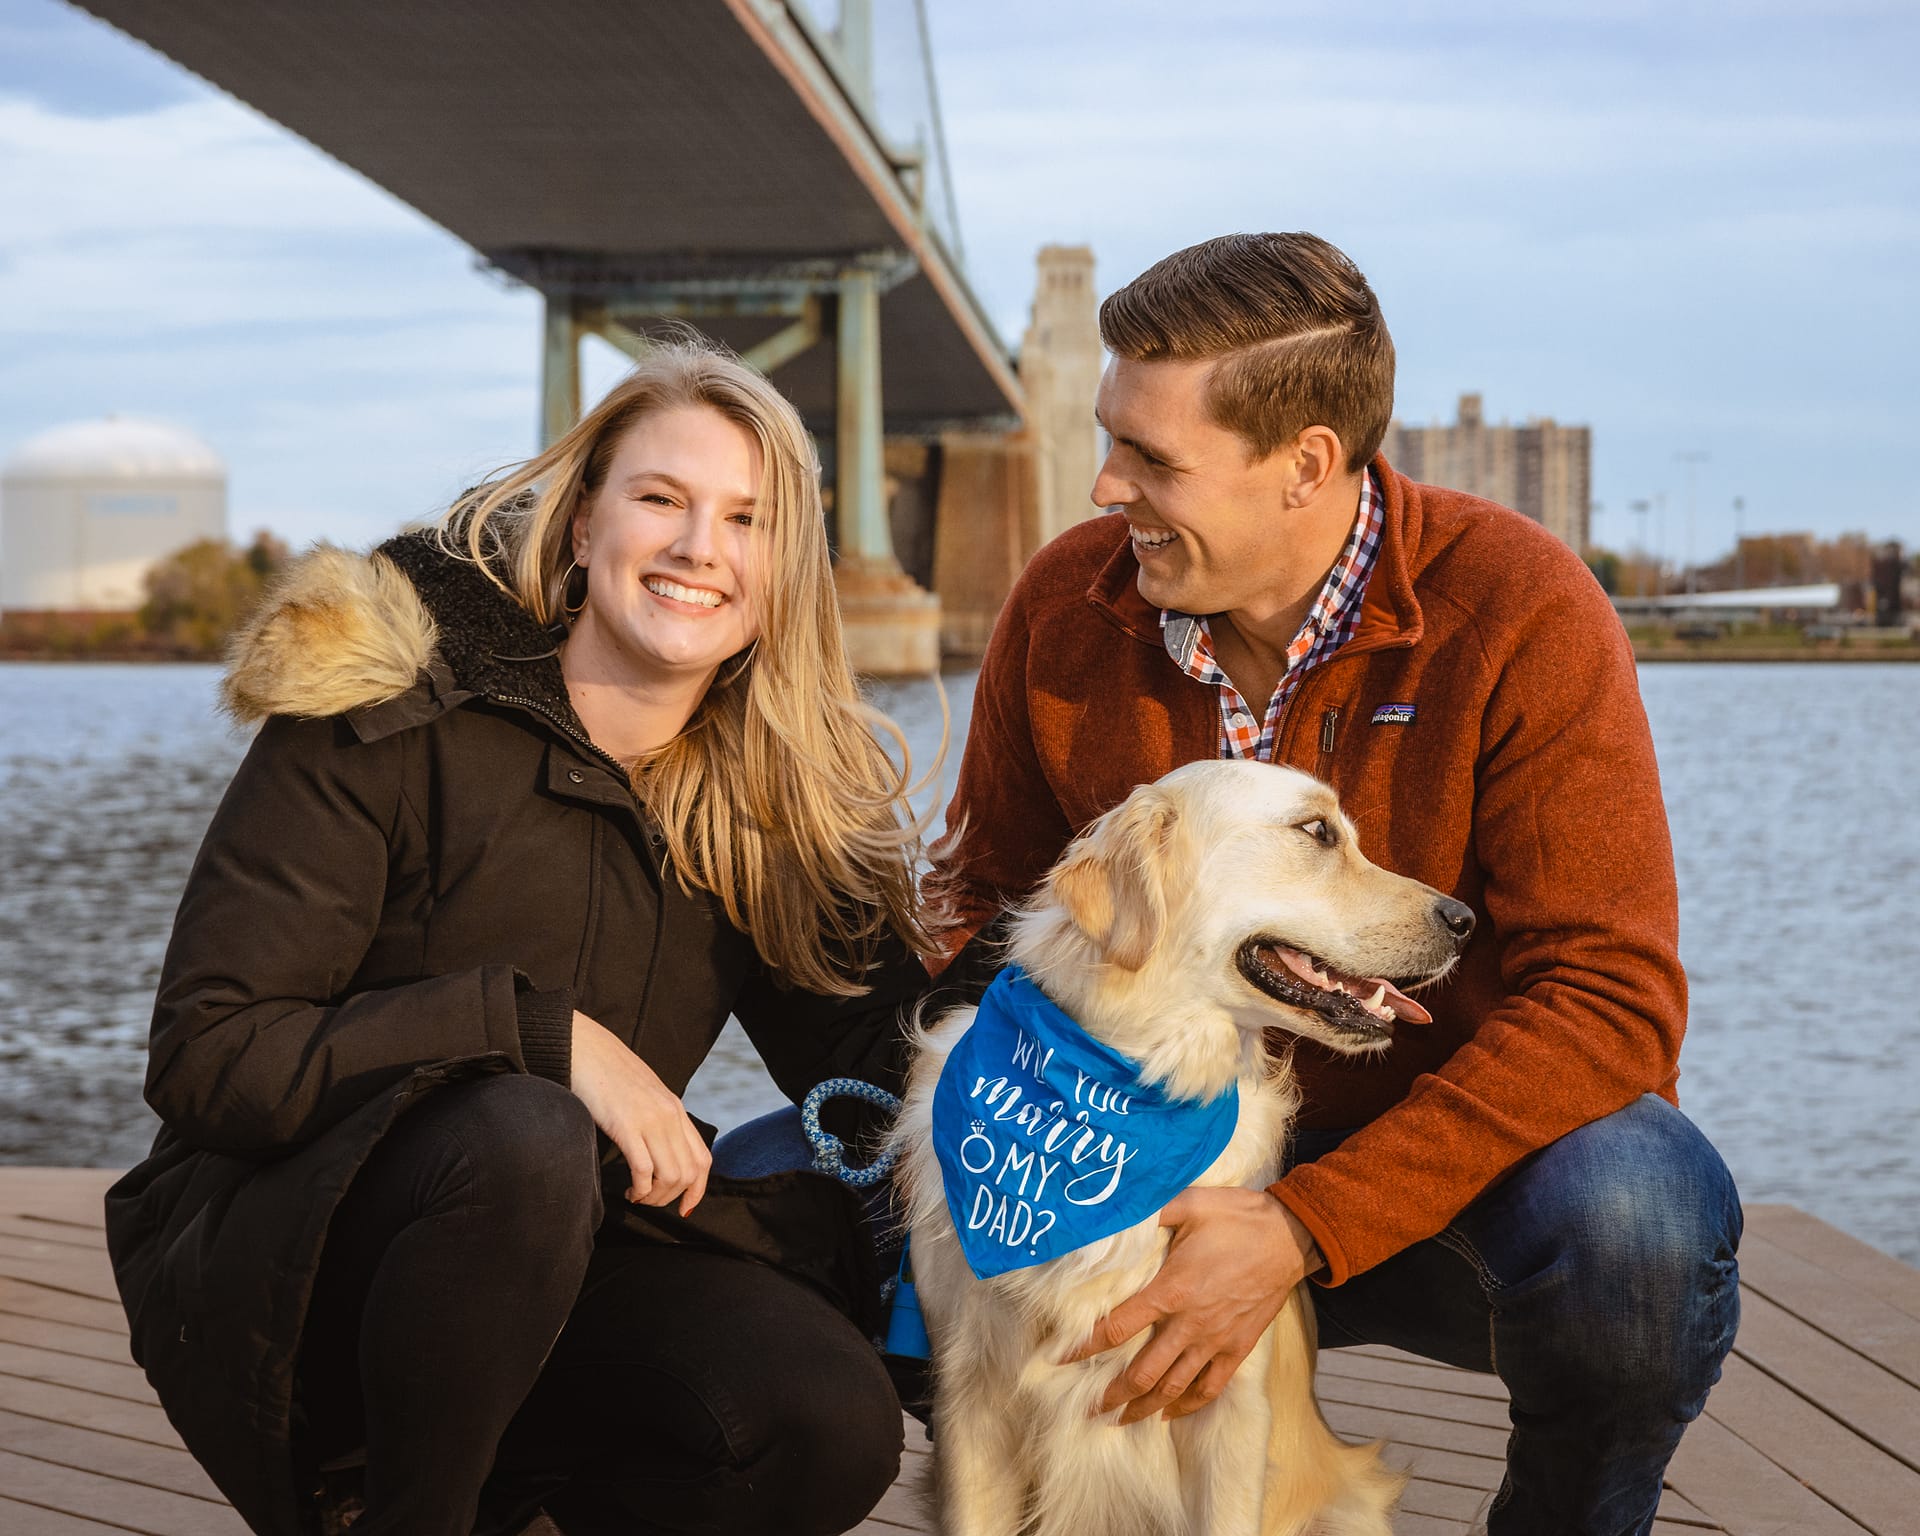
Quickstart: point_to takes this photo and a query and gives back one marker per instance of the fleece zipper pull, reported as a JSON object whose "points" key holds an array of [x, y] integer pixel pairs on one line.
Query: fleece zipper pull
{"points": [[1329, 726]]}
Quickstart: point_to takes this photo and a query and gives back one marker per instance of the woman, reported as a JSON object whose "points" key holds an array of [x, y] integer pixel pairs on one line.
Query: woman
{"points": [[485, 884]]}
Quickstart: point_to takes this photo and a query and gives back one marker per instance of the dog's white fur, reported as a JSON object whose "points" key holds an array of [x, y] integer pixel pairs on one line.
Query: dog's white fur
{"points": [[1135, 933]]}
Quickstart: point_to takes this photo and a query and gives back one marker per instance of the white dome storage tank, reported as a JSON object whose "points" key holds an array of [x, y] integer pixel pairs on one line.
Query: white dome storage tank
{"points": [[86, 510]]}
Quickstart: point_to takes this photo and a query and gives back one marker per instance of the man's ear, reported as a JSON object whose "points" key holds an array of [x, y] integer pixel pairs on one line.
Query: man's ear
{"points": [[1112, 883], [1318, 459]]}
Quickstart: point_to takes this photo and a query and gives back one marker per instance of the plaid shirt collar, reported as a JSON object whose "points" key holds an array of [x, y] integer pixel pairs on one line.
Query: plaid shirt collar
{"points": [[1330, 623]]}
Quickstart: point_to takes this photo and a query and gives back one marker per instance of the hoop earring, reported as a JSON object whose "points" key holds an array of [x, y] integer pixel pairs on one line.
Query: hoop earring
{"points": [[572, 611]]}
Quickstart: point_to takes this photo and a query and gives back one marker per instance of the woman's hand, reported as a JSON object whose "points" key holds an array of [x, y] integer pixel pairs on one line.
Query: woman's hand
{"points": [[641, 1116]]}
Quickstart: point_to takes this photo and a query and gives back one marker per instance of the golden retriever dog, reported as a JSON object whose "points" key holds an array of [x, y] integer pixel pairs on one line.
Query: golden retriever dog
{"points": [[1225, 901]]}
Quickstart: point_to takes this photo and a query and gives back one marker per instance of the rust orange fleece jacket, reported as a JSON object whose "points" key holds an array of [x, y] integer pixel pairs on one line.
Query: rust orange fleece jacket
{"points": [[1523, 783]]}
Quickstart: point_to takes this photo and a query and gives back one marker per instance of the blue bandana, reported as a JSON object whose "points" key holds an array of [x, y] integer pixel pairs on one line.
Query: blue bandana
{"points": [[1048, 1140]]}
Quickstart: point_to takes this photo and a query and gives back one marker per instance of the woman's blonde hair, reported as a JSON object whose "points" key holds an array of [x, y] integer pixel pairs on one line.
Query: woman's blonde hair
{"points": [[777, 796]]}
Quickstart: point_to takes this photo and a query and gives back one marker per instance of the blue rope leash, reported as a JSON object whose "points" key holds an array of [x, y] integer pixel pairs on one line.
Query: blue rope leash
{"points": [[829, 1152]]}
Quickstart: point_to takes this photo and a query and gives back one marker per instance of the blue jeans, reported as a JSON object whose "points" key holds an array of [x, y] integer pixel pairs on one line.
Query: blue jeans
{"points": [[1598, 1281], [775, 1143], [771, 1144]]}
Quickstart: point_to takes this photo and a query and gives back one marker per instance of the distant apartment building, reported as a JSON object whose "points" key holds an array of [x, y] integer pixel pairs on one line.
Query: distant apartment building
{"points": [[1542, 469]]}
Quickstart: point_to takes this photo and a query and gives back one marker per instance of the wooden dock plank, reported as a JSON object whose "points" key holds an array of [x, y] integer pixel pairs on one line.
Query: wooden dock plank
{"points": [[1455, 1467], [56, 1271], [42, 1229], [88, 1410], [1833, 1304], [1874, 1403], [1718, 1472], [1813, 1446], [1457, 1407], [1678, 1510], [1445, 1501], [132, 1461], [1877, 1273], [152, 1511], [121, 1378], [1349, 1364], [1808, 1433], [21, 1298], [94, 1343], [18, 1519], [72, 1196], [1365, 1421], [901, 1506]]}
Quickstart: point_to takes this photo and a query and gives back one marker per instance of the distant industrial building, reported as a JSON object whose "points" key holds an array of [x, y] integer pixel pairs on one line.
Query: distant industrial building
{"points": [[1060, 362], [1542, 469], [86, 510], [1003, 495]]}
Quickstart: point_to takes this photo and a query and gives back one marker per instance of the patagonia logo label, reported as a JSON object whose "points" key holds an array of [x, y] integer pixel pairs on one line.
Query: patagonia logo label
{"points": [[1393, 714]]}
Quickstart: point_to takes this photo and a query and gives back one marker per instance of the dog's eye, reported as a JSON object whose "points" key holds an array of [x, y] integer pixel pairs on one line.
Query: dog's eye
{"points": [[1321, 832]]}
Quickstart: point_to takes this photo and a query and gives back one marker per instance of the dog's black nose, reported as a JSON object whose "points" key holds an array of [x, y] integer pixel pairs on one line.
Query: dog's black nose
{"points": [[1455, 916]]}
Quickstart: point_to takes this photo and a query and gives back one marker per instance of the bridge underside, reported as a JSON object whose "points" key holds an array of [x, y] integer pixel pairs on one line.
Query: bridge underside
{"points": [[703, 159], [603, 142]]}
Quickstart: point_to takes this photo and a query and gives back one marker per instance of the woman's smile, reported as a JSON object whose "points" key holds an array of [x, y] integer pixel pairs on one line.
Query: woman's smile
{"points": [[679, 595]]}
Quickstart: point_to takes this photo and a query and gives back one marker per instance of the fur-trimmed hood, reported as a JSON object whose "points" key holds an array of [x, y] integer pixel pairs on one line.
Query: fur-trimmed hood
{"points": [[342, 631]]}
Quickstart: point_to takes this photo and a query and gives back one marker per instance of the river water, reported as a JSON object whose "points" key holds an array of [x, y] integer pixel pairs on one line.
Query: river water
{"points": [[1791, 791]]}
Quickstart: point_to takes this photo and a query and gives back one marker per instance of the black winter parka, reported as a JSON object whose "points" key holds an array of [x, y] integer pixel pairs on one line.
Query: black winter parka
{"points": [[417, 882]]}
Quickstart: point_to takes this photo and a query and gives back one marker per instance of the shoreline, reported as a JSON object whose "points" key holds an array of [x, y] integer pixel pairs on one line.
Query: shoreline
{"points": [[1772, 654], [117, 658]]}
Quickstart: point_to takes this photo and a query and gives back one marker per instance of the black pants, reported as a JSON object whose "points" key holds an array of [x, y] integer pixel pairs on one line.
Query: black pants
{"points": [[495, 1360]]}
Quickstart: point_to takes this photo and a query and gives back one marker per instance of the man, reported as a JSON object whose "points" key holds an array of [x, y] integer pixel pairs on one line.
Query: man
{"points": [[1510, 1188]]}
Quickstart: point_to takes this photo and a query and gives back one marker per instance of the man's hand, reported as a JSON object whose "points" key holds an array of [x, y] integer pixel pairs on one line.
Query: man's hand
{"points": [[1235, 1257], [642, 1116]]}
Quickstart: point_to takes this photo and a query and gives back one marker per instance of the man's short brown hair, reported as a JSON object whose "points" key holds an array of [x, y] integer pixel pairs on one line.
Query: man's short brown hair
{"points": [[1298, 332]]}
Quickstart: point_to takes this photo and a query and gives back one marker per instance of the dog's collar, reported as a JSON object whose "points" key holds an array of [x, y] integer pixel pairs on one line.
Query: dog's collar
{"points": [[1048, 1139]]}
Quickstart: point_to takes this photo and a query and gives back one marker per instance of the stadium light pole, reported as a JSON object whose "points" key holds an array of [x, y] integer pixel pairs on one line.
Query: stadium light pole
{"points": [[1691, 457], [1660, 536]]}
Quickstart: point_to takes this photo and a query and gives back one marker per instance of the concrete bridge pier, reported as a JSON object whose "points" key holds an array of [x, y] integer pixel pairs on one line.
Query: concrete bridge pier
{"points": [[892, 626], [559, 367]]}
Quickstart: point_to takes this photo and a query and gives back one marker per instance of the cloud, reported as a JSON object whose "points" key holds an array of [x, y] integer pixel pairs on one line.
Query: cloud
{"points": [[61, 58], [1683, 228], [1688, 228], [194, 262]]}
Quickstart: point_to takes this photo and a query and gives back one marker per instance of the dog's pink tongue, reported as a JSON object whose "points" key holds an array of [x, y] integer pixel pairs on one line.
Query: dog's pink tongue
{"points": [[1404, 1007]]}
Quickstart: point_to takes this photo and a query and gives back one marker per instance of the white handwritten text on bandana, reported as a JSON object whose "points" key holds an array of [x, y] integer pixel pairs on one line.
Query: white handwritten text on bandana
{"points": [[1038, 1127]]}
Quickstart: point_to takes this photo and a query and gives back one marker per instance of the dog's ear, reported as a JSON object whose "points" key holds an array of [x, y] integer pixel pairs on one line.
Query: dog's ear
{"points": [[1113, 882]]}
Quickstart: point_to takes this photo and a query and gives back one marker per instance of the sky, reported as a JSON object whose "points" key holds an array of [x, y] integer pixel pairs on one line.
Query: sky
{"points": [[1695, 228]]}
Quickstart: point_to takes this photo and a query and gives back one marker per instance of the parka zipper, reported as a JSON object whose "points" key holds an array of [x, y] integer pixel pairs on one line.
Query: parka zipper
{"points": [[561, 725]]}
